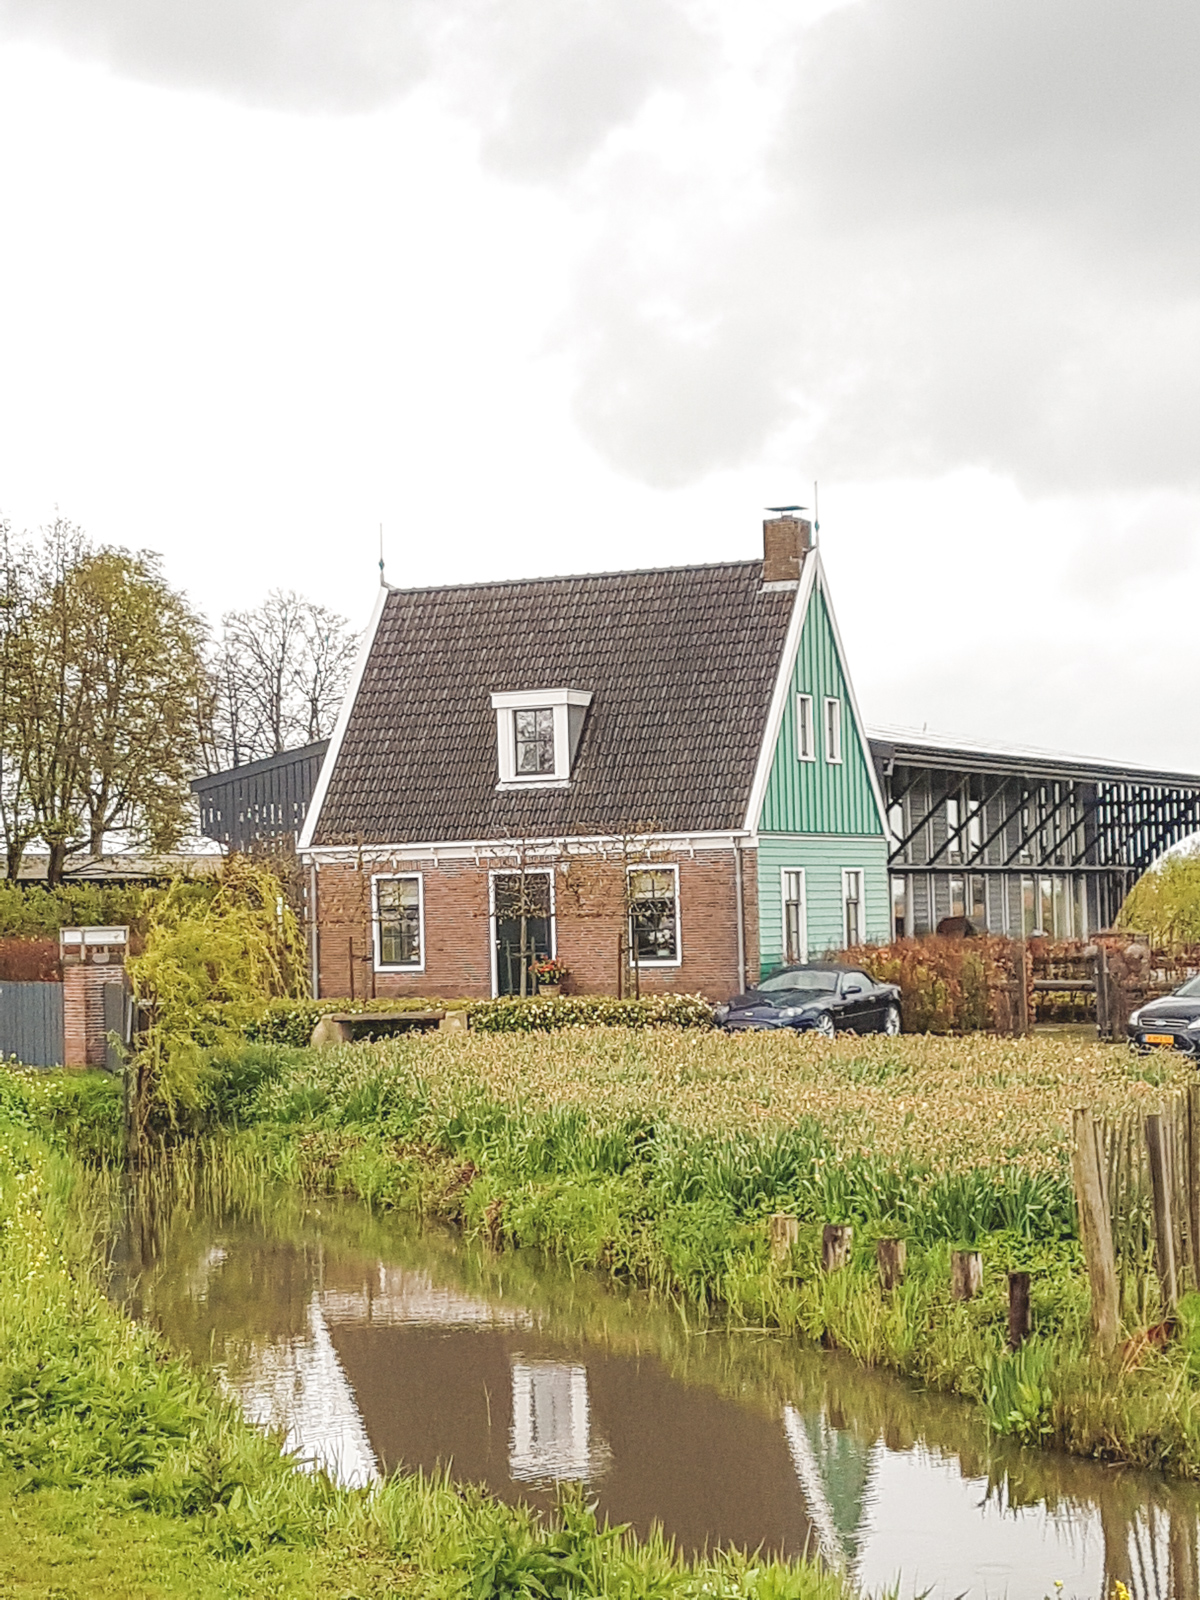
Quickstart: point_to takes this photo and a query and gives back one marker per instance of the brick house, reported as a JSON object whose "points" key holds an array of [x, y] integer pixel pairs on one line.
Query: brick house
{"points": [[659, 778]]}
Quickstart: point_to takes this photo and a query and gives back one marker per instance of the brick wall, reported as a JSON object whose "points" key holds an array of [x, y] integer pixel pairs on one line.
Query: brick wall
{"points": [[589, 917], [84, 1033]]}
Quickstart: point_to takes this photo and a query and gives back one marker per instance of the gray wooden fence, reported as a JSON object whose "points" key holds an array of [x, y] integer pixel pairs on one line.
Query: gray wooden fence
{"points": [[31, 1023]]}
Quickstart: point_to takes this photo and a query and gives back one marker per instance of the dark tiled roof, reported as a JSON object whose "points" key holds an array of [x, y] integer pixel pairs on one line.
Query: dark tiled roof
{"points": [[681, 664]]}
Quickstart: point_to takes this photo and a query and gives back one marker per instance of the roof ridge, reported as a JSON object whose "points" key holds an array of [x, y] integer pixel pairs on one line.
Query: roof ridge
{"points": [[575, 577]]}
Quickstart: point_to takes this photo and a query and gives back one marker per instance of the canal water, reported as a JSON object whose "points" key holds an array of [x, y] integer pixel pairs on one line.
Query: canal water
{"points": [[377, 1346]]}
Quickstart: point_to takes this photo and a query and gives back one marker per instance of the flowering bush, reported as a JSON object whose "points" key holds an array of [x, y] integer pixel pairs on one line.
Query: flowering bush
{"points": [[590, 1010]]}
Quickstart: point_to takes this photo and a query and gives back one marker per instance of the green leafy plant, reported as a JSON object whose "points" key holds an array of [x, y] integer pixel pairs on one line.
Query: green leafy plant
{"points": [[574, 1011], [207, 970]]}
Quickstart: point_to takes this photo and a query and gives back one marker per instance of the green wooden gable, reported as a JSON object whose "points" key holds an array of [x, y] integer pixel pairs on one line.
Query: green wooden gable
{"points": [[819, 796]]}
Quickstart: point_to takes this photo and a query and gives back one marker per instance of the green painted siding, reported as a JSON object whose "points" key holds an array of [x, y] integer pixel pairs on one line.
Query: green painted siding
{"points": [[822, 857], [819, 796]]}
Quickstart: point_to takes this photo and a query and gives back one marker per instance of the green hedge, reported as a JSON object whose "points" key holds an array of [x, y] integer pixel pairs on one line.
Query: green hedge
{"points": [[291, 1022], [590, 1010]]}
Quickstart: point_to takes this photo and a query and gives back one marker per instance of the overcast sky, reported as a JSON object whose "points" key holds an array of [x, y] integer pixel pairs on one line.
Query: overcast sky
{"points": [[549, 288]]}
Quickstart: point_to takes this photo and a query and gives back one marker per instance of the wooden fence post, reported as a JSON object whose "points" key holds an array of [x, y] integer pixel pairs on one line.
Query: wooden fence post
{"points": [[966, 1274], [836, 1239], [1164, 1233], [891, 1256], [1095, 1229], [1018, 1309], [1191, 1185], [1021, 967], [784, 1231], [1103, 1007]]}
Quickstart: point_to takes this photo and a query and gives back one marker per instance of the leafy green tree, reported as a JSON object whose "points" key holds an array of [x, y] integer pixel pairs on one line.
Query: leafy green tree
{"points": [[209, 967], [105, 692], [1164, 904]]}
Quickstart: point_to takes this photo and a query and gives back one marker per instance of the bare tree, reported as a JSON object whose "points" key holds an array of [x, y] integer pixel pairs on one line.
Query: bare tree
{"points": [[279, 676]]}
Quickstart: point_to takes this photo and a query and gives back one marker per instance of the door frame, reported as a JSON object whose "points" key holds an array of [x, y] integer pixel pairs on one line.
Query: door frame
{"points": [[505, 872], [784, 873]]}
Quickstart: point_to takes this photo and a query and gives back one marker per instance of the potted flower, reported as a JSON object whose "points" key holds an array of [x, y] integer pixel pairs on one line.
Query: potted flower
{"points": [[550, 975]]}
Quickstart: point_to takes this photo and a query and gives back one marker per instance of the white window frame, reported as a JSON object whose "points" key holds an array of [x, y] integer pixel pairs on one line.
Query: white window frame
{"points": [[832, 731], [806, 733], [546, 871], [560, 702], [862, 905], [653, 866], [376, 933], [784, 874]]}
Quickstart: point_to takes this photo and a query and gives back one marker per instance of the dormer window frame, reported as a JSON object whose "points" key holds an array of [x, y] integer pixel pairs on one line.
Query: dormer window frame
{"points": [[567, 731]]}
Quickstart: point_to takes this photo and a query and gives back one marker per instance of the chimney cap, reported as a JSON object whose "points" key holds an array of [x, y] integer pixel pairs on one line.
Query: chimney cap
{"points": [[783, 510]]}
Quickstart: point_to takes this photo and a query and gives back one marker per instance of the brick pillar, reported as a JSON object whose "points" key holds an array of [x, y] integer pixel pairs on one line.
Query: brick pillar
{"points": [[84, 1037]]}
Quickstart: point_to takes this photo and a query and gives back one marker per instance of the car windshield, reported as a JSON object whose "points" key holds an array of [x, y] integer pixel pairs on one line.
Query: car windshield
{"points": [[1191, 989], [805, 978]]}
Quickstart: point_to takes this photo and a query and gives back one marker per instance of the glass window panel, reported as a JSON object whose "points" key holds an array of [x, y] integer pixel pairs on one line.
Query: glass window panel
{"points": [[978, 911], [534, 737], [958, 900], [833, 730], [795, 935], [398, 901], [899, 907], [805, 742], [652, 923], [852, 892]]}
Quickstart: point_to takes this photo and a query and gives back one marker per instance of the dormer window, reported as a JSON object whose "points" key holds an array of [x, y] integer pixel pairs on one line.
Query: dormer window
{"points": [[534, 735], [537, 734]]}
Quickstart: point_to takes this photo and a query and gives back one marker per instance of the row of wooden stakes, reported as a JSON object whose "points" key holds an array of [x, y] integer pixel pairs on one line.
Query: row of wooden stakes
{"points": [[891, 1257]]}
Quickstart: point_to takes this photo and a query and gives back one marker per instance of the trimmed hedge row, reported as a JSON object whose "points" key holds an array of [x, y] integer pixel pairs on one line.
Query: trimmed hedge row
{"points": [[291, 1022], [589, 1011]]}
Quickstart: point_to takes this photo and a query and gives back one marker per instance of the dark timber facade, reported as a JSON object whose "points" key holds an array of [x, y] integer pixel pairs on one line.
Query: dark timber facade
{"points": [[262, 804], [1021, 842]]}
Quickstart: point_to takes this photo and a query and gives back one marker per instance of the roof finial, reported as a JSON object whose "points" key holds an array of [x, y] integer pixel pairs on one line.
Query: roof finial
{"points": [[816, 513], [382, 579]]}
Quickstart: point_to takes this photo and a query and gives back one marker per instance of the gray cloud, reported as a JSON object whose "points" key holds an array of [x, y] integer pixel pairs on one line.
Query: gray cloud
{"points": [[546, 82], [330, 55], [977, 245]]}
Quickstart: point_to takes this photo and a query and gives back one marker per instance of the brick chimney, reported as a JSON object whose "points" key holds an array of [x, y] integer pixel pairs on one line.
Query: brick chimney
{"points": [[786, 541]]}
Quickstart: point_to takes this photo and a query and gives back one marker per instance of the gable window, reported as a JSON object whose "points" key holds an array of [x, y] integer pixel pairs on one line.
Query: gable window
{"points": [[537, 735], [534, 738], [806, 736], [852, 903], [399, 923], [833, 731], [795, 917], [654, 916]]}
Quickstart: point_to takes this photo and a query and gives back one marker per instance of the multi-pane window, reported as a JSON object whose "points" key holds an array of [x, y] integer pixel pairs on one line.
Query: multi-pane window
{"points": [[398, 921], [533, 736], [852, 890], [806, 734], [653, 915], [795, 931], [958, 899], [833, 730]]}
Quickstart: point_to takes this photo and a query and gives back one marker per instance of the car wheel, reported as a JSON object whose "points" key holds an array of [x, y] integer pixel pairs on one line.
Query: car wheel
{"points": [[891, 1020], [824, 1025]]}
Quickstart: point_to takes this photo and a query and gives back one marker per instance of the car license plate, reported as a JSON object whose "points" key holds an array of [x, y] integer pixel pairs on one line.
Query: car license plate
{"points": [[1160, 1038]]}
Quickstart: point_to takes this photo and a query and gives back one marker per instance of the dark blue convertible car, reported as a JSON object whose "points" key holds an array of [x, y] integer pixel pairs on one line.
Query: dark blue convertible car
{"points": [[822, 997]]}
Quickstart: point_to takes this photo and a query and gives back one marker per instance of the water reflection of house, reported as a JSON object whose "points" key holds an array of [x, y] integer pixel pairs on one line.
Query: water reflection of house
{"points": [[550, 1439]]}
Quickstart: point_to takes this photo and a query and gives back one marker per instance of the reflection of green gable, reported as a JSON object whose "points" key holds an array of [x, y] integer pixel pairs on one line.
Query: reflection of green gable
{"points": [[843, 1463], [815, 796]]}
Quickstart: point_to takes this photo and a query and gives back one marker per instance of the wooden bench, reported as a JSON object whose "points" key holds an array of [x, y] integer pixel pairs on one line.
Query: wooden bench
{"points": [[339, 1027]]}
